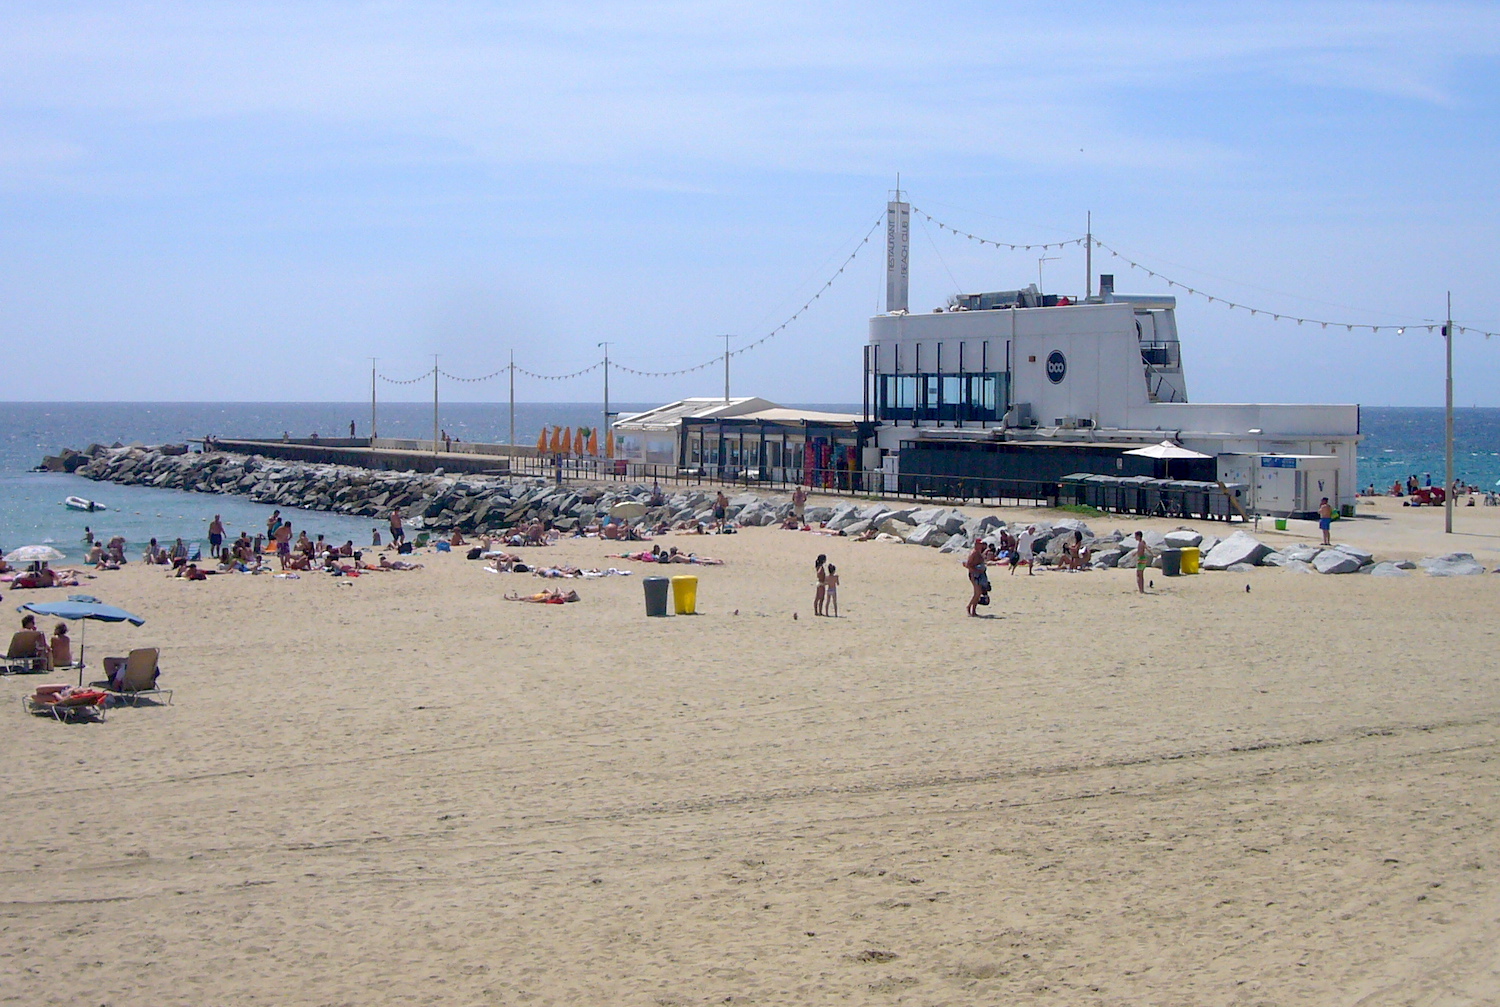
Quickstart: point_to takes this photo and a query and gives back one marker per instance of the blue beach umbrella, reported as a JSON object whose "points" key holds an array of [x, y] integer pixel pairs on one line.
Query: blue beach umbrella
{"points": [[81, 608]]}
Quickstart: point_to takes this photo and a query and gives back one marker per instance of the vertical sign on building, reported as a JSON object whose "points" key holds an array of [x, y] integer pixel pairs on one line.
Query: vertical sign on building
{"points": [[897, 254]]}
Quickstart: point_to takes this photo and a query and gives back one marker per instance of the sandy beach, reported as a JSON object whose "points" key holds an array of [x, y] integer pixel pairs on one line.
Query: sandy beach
{"points": [[405, 789]]}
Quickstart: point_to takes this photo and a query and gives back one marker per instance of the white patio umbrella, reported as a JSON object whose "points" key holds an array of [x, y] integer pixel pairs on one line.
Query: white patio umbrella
{"points": [[1166, 450]]}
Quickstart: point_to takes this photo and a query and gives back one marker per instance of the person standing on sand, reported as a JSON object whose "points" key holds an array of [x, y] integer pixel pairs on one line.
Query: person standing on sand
{"points": [[822, 583], [1325, 519], [215, 537], [1142, 560], [1026, 546], [398, 532], [978, 579], [831, 602]]}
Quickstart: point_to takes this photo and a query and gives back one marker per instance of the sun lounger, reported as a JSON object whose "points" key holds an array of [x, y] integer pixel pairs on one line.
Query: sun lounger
{"points": [[28, 652], [131, 678], [65, 702]]}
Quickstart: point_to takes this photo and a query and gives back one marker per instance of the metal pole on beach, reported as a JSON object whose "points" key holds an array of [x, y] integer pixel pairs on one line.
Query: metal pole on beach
{"points": [[1088, 257], [434, 405], [726, 339], [606, 385], [373, 434], [1448, 427]]}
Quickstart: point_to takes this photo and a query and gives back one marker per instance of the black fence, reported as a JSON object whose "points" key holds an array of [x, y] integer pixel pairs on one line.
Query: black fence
{"points": [[976, 491]]}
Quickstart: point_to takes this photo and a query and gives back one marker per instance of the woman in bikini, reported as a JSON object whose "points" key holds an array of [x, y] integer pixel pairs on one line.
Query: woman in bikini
{"points": [[822, 583]]}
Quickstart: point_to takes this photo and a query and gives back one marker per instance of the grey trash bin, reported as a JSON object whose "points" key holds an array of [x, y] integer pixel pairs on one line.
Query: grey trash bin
{"points": [[657, 590], [1171, 562]]}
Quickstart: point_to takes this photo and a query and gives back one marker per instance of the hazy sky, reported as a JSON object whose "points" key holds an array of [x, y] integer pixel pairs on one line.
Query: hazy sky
{"points": [[246, 201]]}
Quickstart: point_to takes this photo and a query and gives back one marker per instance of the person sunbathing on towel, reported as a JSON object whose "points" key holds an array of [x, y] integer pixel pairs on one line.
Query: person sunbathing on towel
{"points": [[545, 597]]}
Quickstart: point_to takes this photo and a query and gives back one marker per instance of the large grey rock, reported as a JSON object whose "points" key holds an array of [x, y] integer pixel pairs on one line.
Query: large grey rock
{"points": [[1365, 558], [1241, 547], [1455, 564], [890, 525], [1302, 553], [1334, 561], [981, 526], [843, 516], [1387, 570], [1106, 557], [958, 542], [927, 534], [1183, 538]]}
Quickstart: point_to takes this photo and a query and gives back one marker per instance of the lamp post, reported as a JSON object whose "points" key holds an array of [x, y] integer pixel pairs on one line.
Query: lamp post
{"points": [[1448, 427], [726, 337]]}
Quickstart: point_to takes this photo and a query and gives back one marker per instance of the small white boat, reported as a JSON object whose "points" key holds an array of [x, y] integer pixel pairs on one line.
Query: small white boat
{"points": [[79, 503]]}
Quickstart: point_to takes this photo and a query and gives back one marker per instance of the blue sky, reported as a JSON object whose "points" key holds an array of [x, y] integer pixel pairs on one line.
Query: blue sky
{"points": [[247, 201]]}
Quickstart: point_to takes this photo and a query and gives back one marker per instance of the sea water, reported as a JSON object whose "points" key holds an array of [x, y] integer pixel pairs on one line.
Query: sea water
{"points": [[1398, 442]]}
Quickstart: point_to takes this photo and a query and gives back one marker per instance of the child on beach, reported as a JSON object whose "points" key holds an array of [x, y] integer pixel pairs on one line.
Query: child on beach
{"points": [[831, 582]]}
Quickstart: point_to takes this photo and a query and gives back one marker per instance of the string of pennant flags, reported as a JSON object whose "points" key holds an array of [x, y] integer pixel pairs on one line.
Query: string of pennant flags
{"points": [[1081, 240], [807, 305], [1430, 326]]}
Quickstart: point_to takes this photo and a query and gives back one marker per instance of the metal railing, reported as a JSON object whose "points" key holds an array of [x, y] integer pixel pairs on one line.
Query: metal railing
{"points": [[875, 485]]}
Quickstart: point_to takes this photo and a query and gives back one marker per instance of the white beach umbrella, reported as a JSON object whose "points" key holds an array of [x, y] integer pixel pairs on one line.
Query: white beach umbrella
{"points": [[1166, 450], [34, 554]]}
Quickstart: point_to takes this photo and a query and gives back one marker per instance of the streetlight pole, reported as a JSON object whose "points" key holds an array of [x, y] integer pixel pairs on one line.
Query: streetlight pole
{"points": [[605, 344], [1448, 428], [373, 434], [726, 339]]}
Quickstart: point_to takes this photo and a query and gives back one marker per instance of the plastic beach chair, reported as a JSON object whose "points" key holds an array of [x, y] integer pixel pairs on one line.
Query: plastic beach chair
{"points": [[26, 652], [135, 676]]}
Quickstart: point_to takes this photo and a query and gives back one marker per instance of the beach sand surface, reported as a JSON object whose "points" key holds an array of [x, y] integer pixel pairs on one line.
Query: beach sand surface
{"points": [[402, 788]]}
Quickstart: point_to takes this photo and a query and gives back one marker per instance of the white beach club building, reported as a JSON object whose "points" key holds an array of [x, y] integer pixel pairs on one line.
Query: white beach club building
{"points": [[1024, 385]]}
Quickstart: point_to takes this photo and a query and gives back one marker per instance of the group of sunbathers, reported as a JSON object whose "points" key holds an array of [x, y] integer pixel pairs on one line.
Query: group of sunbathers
{"points": [[670, 555]]}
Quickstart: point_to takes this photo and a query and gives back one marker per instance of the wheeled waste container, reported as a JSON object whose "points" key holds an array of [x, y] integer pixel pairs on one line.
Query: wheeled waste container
{"points": [[1171, 562], [656, 595], [1190, 558], [685, 594]]}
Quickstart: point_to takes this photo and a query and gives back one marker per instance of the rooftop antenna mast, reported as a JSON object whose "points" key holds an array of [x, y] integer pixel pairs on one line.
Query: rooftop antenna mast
{"points": [[1088, 257]]}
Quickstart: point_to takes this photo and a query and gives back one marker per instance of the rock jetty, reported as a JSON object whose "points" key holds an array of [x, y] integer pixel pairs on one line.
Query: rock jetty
{"points": [[480, 503]]}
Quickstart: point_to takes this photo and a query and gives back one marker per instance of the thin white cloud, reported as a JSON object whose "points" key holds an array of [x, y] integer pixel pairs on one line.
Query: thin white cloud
{"points": [[786, 88]]}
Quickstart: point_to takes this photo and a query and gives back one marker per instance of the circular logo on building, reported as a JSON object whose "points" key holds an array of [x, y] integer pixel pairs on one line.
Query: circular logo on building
{"points": [[1057, 367]]}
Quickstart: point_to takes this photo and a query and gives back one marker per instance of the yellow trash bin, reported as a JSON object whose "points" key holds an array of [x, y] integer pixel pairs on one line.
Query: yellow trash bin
{"points": [[1190, 560], [685, 594]]}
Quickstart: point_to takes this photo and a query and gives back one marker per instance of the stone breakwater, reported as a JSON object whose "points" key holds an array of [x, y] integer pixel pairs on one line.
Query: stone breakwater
{"points": [[477, 503]]}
